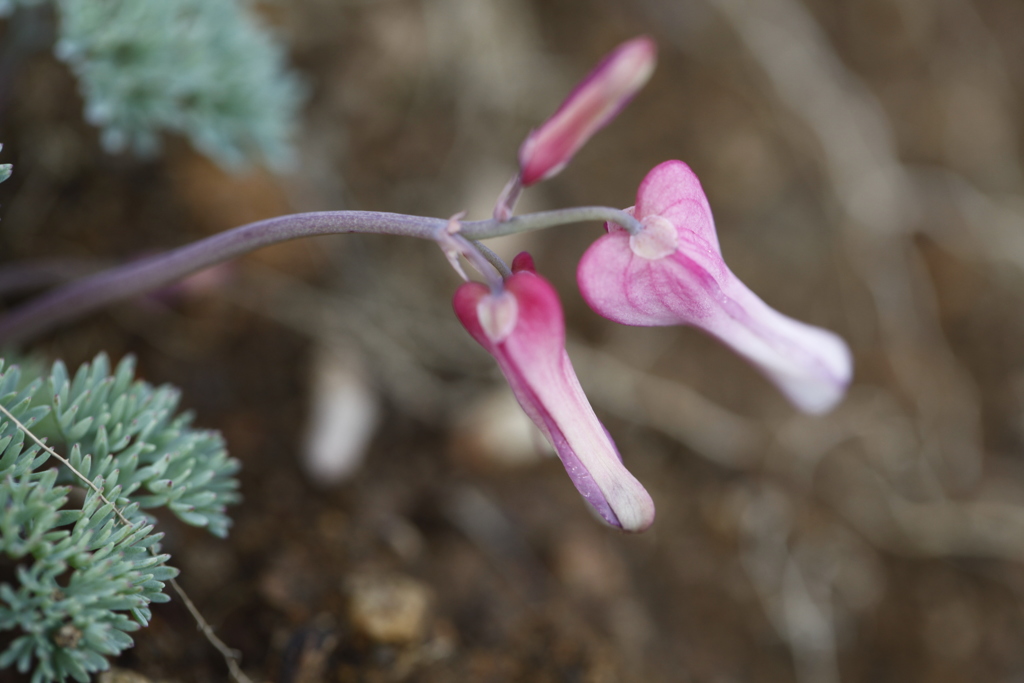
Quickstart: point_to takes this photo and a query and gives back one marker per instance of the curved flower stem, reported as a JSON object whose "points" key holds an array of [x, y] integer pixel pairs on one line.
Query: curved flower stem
{"points": [[493, 258], [482, 230], [88, 294], [482, 262], [482, 259], [507, 199]]}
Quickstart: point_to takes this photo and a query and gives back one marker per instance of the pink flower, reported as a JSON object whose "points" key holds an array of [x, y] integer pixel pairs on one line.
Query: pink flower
{"points": [[587, 109], [523, 328], [672, 273]]}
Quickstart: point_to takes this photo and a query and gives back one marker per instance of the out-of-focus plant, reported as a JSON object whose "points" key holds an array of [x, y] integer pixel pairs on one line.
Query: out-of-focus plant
{"points": [[205, 69], [5, 170]]}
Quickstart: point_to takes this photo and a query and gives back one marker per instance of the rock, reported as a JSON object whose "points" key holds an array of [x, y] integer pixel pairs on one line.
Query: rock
{"points": [[115, 675], [389, 608], [343, 417]]}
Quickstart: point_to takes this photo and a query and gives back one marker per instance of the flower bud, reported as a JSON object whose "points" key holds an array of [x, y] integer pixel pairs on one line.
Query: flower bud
{"points": [[590, 107]]}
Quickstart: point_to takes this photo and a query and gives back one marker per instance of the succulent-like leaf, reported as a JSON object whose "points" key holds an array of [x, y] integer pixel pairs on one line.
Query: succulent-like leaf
{"points": [[123, 436]]}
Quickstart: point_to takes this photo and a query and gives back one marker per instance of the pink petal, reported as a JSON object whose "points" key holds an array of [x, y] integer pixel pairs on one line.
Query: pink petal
{"points": [[632, 290], [812, 366], [589, 107], [693, 286], [672, 190], [533, 360]]}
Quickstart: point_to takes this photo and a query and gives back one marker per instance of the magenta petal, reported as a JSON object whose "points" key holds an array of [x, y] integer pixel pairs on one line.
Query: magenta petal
{"points": [[533, 360]]}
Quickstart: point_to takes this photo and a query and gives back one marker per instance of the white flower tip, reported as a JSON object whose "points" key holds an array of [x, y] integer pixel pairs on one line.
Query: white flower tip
{"points": [[633, 64], [620, 500], [825, 382], [498, 314], [657, 239], [635, 513]]}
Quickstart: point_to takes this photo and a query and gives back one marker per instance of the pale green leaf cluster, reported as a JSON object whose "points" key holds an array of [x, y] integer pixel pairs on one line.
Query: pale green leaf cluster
{"points": [[108, 423], [5, 169], [83, 580], [205, 69]]}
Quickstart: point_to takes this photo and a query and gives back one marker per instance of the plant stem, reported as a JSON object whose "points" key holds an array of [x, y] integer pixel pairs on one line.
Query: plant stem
{"points": [[484, 230], [78, 298], [493, 258]]}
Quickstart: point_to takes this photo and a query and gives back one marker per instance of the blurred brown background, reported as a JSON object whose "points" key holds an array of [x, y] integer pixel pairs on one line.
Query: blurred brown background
{"points": [[401, 522]]}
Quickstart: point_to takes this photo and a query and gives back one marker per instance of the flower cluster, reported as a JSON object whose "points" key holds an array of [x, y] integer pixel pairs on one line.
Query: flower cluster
{"points": [[659, 264], [666, 269]]}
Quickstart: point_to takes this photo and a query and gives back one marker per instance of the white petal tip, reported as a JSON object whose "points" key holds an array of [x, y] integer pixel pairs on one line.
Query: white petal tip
{"points": [[823, 386]]}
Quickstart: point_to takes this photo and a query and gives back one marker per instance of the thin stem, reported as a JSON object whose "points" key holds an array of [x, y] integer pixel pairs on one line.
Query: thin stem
{"points": [[454, 245], [67, 463], [483, 230], [76, 299], [506, 205], [84, 296], [493, 258], [230, 656], [481, 261]]}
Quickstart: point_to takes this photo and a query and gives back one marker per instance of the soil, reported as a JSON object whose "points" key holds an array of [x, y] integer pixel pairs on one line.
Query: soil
{"points": [[444, 558]]}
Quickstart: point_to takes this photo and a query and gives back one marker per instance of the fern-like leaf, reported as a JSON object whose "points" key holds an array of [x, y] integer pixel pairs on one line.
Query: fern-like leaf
{"points": [[85, 578]]}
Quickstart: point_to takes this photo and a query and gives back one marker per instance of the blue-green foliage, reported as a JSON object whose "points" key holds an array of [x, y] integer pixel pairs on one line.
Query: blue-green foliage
{"points": [[202, 68], [5, 169], [83, 579], [110, 423]]}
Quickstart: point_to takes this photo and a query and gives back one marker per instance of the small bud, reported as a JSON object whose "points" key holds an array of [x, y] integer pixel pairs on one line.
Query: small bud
{"points": [[523, 261], [590, 107]]}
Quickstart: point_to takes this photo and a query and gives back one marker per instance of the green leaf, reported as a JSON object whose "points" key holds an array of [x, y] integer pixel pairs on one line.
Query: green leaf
{"points": [[124, 436]]}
